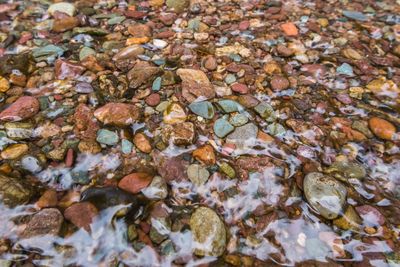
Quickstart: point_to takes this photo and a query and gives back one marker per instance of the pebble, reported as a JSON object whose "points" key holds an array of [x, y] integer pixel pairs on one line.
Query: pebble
{"points": [[63, 7], [195, 84], [205, 154], [117, 114], [208, 232], [289, 29], [157, 84], [126, 146], [355, 15], [210, 63], [222, 128], [142, 142], [238, 120], [197, 174], [325, 194], [345, 69], [135, 182], [4, 84], [227, 169], [229, 106], [203, 108], [107, 137], [81, 214], [157, 189], [25, 107], [242, 135], [45, 222], [14, 191], [382, 128], [160, 44], [177, 5], [240, 88], [279, 83], [174, 113], [14, 151], [265, 111], [31, 164], [48, 199]]}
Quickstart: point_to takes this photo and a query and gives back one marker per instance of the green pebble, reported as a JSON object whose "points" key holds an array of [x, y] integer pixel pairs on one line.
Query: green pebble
{"points": [[107, 137], [222, 128]]}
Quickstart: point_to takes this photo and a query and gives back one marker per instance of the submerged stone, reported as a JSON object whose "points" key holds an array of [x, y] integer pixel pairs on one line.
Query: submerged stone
{"points": [[204, 109]]}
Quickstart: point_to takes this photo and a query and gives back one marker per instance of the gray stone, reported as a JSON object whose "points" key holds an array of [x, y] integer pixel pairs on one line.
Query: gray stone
{"points": [[208, 232], [222, 128], [326, 195], [197, 174], [243, 135]]}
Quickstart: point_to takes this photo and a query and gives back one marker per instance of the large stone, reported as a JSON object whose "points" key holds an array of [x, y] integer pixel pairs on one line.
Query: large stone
{"points": [[197, 174], [81, 214], [141, 76], [14, 191], [195, 84], [135, 182], [45, 222], [222, 127], [25, 107], [67, 70], [326, 195], [63, 7], [117, 114], [204, 109], [382, 128], [242, 136], [208, 232]]}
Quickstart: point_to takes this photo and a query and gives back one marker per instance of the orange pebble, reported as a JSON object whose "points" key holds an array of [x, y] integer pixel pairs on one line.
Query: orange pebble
{"points": [[289, 29]]}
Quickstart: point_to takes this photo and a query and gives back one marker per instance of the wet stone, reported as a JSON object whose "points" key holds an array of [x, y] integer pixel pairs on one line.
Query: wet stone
{"points": [[63, 7], [204, 109], [118, 114], [107, 137], [243, 135], [45, 222], [195, 83], [14, 191], [157, 189], [325, 194], [229, 106], [208, 231], [135, 182], [197, 174], [25, 107], [222, 128], [382, 128], [238, 120], [81, 214], [355, 15]]}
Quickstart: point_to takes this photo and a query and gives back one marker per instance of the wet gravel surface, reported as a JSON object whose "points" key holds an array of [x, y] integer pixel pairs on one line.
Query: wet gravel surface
{"points": [[199, 133]]}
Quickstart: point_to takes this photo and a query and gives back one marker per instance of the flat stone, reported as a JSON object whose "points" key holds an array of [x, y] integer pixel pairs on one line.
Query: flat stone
{"points": [[325, 194], [208, 232], [135, 182], [266, 111], [45, 222], [229, 106], [195, 84], [157, 189], [174, 113], [25, 107], [345, 69], [63, 7], [197, 174], [142, 142], [107, 137], [14, 151], [117, 114], [14, 191], [129, 52], [81, 214], [204, 109], [246, 134], [222, 128], [355, 15], [238, 120], [64, 69]]}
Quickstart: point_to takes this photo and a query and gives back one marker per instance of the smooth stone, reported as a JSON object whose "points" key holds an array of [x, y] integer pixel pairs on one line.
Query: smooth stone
{"points": [[14, 191], [178, 5], [157, 189], [227, 169], [197, 174], [208, 232], [81, 214], [204, 109], [126, 146], [344, 170], [14, 151], [45, 222], [86, 51], [246, 134], [135, 182], [238, 120], [116, 20], [48, 53], [24, 108], [63, 7], [222, 128], [382, 128], [107, 137], [4, 84], [355, 15], [174, 113], [326, 195], [160, 44], [230, 78], [349, 220], [276, 129], [31, 164], [117, 114], [156, 86], [19, 130], [266, 111], [195, 84], [345, 69], [229, 106]]}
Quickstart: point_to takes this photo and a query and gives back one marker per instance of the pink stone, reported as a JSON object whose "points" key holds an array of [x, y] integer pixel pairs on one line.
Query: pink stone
{"points": [[25, 107], [240, 88]]}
